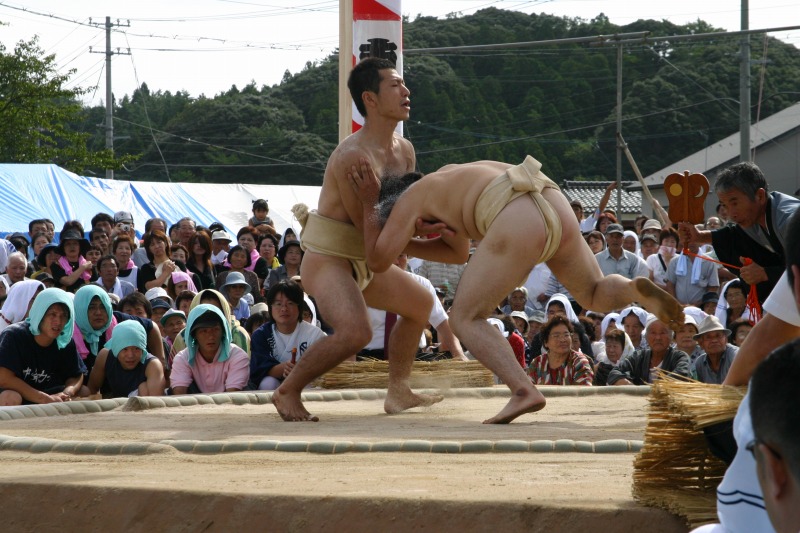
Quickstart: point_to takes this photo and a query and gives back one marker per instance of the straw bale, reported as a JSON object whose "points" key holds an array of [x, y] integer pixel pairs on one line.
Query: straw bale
{"points": [[374, 374]]}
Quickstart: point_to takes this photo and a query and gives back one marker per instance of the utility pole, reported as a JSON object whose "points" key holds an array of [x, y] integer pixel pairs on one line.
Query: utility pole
{"points": [[109, 122], [744, 87]]}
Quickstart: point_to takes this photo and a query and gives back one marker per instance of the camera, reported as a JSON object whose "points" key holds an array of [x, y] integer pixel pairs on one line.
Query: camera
{"points": [[123, 227]]}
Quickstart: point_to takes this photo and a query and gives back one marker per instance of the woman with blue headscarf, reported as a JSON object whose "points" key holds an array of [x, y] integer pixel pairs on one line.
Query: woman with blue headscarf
{"points": [[95, 322], [210, 362], [124, 368], [38, 359]]}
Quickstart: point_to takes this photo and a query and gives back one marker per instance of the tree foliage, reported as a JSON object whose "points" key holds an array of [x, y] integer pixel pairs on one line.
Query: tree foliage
{"points": [[37, 113], [555, 101]]}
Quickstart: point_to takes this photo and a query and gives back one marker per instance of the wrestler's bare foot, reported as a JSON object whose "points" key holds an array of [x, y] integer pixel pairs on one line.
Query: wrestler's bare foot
{"points": [[659, 302], [291, 408], [521, 402], [398, 401]]}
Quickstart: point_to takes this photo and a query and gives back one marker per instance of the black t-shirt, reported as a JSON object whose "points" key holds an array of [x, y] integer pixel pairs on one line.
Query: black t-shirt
{"points": [[59, 272], [119, 382], [43, 368]]}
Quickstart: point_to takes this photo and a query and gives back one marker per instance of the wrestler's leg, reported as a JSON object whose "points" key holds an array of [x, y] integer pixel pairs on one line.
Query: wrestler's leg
{"points": [[339, 300], [505, 256], [576, 268], [396, 291]]}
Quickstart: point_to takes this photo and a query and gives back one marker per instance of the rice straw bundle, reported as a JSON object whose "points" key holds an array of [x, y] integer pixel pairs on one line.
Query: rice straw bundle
{"points": [[675, 469], [374, 374]]}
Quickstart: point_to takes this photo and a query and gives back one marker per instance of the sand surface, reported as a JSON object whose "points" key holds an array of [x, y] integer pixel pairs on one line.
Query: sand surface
{"points": [[299, 491]]}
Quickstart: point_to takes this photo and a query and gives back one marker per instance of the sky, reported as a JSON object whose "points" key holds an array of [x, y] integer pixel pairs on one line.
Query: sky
{"points": [[206, 46]]}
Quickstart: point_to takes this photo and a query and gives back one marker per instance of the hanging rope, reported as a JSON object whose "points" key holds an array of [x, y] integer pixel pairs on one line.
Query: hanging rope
{"points": [[752, 297]]}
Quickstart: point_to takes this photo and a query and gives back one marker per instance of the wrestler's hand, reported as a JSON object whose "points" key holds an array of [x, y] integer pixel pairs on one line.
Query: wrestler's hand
{"points": [[428, 227], [365, 183]]}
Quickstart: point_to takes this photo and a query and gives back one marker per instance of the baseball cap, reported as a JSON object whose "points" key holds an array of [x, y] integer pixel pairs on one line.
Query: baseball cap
{"points": [[650, 237], [123, 216], [614, 228], [209, 319], [158, 303], [576, 203], [171, 313]]}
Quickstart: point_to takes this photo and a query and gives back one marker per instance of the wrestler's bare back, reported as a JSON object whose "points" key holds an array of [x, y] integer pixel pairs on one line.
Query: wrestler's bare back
{"points": [[337, 199]]}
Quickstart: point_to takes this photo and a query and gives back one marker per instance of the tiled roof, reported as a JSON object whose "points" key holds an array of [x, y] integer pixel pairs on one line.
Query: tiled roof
{"points": [[591, 192]]}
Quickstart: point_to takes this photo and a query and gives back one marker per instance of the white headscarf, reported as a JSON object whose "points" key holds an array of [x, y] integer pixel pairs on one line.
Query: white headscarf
{"points": [[629, 233], [5, 248], [721, 312], [640, 313], [606, 321], [563, 300], [19, 297]]}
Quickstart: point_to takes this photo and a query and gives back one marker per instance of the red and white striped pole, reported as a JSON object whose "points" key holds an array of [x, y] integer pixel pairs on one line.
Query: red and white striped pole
{"points": [[367, 28]]}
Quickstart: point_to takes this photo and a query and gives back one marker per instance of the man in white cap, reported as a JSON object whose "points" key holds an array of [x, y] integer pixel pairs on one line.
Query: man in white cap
{"points": [[220, 244], [713, 365]]}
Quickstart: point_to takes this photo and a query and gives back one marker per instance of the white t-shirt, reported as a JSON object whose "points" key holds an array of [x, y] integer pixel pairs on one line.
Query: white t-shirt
{"points": [[659, 272]]}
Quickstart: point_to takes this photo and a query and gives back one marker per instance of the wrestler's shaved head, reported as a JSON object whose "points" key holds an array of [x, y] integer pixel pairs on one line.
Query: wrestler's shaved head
{"points": [[392, 188]]}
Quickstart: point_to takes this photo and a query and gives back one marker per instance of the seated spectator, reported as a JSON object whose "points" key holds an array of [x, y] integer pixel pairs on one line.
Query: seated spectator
{"points": [[257, 318], [776, 432], [234, 289], [178, 253], [709, 303], [100, 238], [689, 277], [596, 241], [248, 238], [40, 240], [199, 261], [38, 359], [136, 304], [658, 262], [280, 343], [260, 219], [520, 322], [642, 367], [17, 268], [268, 250], [290, 255], [159, 308], [47, 256], [560, 305], [535, 322], [19, 301], [630, 242], [739, 330], [648, 245], [517, 301], [93, 254], [124, 368], [210, 363], [603, 221], [652, 227], [220, 243], [95, 321], [72, 270], [560, 364], [172, 323], [180, 281], [616, 260], [160, 268], [713, 365], [238, 261], [633, 321], [613, 346], [108, 269], [239, 335], [183, 302], [685, 338], [732, 304], [514, 339], [122, 248], [46, 279]]}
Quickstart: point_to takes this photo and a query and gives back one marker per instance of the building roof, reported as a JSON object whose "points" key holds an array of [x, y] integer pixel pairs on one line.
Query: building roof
{"points": [[726, 152], [591, 192]]}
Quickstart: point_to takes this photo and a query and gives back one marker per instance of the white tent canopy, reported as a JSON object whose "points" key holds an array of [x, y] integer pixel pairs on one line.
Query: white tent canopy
{"points": [[30, 192]]}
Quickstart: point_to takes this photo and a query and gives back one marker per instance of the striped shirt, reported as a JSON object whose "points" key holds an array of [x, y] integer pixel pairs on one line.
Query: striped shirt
{"points": [[576, 370]]}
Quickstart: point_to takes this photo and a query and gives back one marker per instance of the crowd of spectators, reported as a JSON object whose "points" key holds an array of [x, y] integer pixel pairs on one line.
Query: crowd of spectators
{"points": [[210, 313]]}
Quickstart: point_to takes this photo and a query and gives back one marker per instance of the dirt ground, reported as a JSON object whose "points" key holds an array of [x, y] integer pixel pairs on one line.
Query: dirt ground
{"points": [[300, 491]]}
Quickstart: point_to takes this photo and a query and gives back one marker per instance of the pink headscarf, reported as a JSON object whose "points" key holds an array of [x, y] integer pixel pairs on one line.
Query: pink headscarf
{"points": [[180, 276]]}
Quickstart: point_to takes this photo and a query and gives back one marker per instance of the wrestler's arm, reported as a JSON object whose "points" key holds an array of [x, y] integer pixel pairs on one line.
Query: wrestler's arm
{"points": [[444, 249], [382, 245]]}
